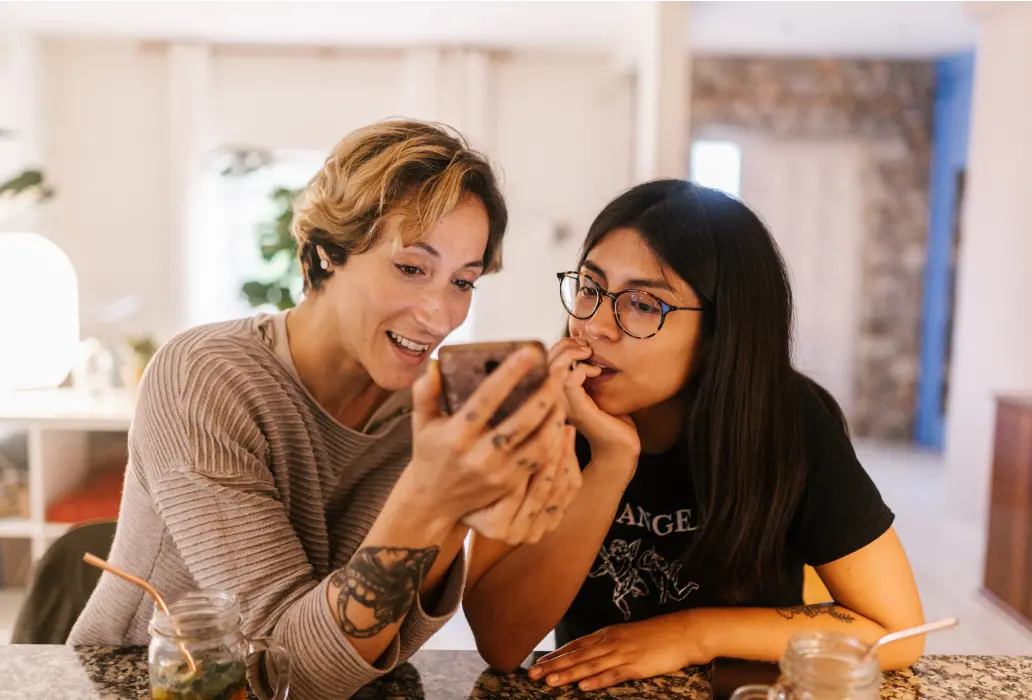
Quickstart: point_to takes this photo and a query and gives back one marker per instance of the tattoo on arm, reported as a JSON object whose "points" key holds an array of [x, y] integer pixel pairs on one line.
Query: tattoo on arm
{"points": [[812, 611], [382, 581]]}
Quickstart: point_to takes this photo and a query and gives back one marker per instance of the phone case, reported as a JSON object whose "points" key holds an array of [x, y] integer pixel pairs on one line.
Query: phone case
{"points": [[464, 367]]}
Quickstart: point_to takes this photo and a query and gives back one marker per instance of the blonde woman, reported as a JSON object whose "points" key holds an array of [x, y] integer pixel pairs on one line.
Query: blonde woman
{"points": [[283, 458]]}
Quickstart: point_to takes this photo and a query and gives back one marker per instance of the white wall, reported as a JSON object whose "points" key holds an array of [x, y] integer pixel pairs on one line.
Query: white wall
{"points": [[104, 139], [301, 99], [13, 107], [993, 336], [19, 115], [558, 124], [563, 140]]}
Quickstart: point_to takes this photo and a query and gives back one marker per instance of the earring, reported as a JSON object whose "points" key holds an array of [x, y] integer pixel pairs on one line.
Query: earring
{"points": [[324, 263]]}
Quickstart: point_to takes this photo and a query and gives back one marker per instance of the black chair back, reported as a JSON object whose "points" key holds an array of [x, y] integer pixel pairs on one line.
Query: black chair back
{"points": [[62, 584]]}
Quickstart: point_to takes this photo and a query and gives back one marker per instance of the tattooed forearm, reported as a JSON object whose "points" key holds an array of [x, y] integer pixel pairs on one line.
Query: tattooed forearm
{"points": [[378, 585], [812, 611]]}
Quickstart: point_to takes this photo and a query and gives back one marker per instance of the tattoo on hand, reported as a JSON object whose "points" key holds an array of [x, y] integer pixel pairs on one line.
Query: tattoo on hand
{"points": [[384, 581], [812, 611], [501, 440], [471, 416]]}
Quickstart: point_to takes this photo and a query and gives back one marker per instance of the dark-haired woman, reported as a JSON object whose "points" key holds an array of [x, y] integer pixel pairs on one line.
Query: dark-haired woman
{"points": [[712, 470]]}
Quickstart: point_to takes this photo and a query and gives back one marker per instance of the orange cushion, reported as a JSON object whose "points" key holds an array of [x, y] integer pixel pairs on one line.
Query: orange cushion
{"points": [[98, 499]]}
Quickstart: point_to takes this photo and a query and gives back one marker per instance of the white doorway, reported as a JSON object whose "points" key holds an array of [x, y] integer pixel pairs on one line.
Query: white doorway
{"points": [[811, 196]]}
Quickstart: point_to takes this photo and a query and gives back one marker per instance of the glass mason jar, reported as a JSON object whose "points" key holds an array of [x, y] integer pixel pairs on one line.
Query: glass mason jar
{"points": [[821, 666], [206, 625]]}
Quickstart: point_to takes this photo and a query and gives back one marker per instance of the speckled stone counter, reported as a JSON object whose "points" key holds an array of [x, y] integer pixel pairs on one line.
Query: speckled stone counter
{"points": [[106, 673]]}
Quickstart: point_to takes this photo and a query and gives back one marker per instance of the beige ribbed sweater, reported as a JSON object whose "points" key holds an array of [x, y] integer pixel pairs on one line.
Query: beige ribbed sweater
{"points": [[237, 480]]}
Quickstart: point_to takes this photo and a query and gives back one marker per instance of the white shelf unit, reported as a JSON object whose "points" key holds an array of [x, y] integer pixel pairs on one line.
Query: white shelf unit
{"points": [[57, 423]]}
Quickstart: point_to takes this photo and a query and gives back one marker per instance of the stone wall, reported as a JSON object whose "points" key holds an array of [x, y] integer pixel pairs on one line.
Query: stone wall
{"points": [[889, 106]]}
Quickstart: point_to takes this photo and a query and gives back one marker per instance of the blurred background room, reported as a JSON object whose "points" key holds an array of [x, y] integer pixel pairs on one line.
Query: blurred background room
{"points": [[149, 152]]}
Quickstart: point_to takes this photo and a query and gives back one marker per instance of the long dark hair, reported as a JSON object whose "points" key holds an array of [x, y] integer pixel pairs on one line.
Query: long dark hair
{"points": [[744, 435]]}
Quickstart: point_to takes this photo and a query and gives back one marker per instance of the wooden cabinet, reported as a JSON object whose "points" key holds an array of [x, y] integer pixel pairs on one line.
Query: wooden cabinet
{"points": [[1008, 561]]}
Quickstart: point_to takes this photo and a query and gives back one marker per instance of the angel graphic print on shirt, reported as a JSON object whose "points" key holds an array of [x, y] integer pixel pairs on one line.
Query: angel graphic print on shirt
{"points": [[637, 569], [640, 570], [637, 572]]}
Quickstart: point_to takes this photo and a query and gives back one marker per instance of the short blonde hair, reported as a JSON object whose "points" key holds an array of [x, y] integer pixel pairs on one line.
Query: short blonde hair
{"points": [[416, 170]]}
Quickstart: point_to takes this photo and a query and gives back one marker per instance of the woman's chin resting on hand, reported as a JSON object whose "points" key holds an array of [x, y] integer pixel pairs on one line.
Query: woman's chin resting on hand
{"points": [[713, 472]]}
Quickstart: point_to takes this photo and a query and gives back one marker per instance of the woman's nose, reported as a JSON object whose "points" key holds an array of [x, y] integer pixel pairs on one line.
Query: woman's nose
{"points": [[603, 323], [432, 313]]}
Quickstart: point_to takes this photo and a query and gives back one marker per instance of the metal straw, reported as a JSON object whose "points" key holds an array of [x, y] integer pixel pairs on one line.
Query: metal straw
{"points": [[911, 632], [112, 569]]}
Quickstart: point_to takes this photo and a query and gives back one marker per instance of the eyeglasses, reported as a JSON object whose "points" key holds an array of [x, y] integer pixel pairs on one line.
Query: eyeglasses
{"points": [[639, 314]]}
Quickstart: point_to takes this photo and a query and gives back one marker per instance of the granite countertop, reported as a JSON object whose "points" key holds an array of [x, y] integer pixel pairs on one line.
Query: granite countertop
{"points": [[109, 673]]}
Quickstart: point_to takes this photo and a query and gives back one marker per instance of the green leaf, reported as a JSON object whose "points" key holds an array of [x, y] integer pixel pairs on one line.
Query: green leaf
{"points": [[256, 293], [22, 181], [286, 300], [277, 245]]}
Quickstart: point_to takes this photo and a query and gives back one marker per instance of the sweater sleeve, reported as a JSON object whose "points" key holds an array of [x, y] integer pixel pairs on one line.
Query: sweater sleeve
{"points": [[218, 499], [420, 624]]}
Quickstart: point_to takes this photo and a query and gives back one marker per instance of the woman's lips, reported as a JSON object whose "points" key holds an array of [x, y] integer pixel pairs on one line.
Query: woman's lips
{"points": [[593, 384], [602, 365]]}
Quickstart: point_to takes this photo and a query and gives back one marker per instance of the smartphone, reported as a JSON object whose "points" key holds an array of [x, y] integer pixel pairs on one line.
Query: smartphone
{"points": [[464, 367]]}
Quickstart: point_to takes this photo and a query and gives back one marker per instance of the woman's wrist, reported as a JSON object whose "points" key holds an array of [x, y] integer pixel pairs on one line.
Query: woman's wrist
{"points": [[617, 460], [613, 450], [704, 636], [420, 508]]}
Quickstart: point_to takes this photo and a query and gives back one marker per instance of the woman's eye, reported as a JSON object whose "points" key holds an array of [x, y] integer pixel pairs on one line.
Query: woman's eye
{"points": [[410, 270], [465, 285], [644, 308]]}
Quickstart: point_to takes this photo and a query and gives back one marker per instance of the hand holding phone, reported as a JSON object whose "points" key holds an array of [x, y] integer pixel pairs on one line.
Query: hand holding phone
{"points": [[482, 437], [465, 367]]}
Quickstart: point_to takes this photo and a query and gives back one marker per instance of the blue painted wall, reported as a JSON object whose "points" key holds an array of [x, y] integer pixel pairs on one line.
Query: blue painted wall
{"points": [[952, 116]]}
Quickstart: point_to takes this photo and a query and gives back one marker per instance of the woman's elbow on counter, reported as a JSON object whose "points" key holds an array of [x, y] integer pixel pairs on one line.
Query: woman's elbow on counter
{"points": [[496, 642], [903, 654], [501, 665], [499, 651], [503, 660]]}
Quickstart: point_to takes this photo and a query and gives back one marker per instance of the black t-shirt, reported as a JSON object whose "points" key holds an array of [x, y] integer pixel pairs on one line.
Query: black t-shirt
{"points": [[637, 573]]}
